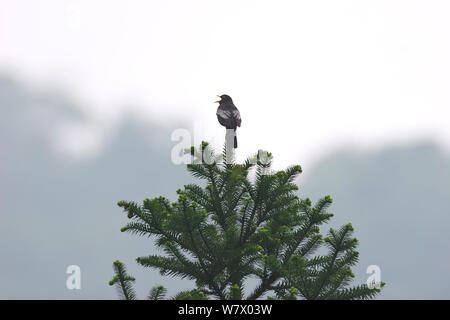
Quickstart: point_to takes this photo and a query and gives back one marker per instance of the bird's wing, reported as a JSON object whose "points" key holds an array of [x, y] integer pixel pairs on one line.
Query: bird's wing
{"points": [[224, 117]]}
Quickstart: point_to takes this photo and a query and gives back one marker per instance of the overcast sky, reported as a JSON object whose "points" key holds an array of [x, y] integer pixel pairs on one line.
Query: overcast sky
{"points": [[307, 76]]}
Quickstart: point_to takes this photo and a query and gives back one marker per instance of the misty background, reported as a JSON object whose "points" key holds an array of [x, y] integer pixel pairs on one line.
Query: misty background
{"points": [[56, 212], [90, 92]]}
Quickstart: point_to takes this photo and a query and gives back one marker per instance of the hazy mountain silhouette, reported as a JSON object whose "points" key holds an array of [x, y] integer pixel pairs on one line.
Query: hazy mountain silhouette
{"points": [[54, 213], [397, 200]]}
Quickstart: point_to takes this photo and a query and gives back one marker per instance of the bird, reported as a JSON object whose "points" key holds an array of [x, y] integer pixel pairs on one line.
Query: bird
{"points": [[228, 115]]}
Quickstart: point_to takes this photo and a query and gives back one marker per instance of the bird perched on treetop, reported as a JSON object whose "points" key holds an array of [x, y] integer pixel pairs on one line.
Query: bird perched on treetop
{"points": [[228, 115]]}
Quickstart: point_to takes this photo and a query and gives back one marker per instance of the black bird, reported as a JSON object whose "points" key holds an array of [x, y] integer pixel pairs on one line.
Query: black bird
{"points": [[228, 115]]}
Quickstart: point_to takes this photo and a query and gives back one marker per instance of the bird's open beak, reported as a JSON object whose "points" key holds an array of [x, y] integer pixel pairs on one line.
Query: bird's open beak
{"points": [[218, 101]]}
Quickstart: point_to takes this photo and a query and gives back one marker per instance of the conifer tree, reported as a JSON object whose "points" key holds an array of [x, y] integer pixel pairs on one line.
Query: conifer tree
{"points": [[246, 221]]}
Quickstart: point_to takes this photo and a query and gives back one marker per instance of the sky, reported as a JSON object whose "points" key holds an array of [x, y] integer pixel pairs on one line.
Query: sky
{"points": [[307, 76]]}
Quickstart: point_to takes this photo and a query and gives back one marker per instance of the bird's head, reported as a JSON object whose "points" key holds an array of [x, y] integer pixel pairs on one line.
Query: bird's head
{"points": [[224, 99]]}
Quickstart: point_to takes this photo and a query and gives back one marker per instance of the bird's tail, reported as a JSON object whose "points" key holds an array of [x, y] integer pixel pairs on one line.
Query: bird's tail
{"points": [[235, 139]]}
